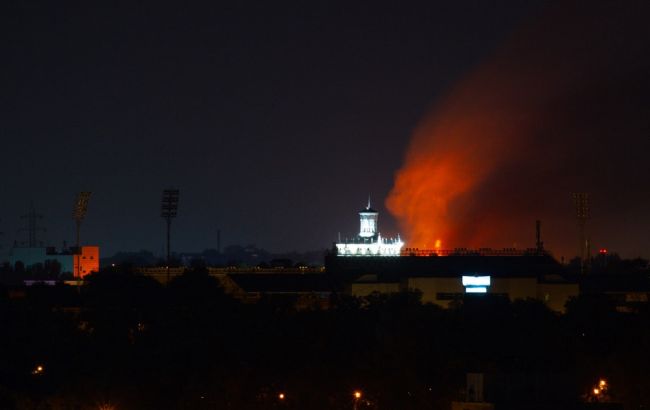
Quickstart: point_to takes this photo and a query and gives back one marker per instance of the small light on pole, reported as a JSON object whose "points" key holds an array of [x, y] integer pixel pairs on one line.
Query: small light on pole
{"points": [[357, 397]]}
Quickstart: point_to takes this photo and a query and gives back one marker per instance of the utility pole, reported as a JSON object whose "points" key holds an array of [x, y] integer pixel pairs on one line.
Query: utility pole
{"points": [[169, 210], [538, 237]]}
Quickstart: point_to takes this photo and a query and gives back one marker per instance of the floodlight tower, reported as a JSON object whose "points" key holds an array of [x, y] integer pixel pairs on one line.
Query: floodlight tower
{"points": [[79, 214], [583, 213], [169, 209]]}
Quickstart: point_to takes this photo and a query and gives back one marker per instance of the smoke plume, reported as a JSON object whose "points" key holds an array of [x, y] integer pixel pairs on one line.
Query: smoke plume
{"points": [[559, 108]]}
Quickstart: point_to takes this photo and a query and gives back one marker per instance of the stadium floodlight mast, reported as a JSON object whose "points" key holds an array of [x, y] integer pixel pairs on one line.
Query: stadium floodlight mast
{"points": [[583, 213], [169, 210], [79, 214]]}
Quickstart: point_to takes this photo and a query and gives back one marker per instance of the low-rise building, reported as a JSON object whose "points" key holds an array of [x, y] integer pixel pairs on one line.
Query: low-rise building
{"points": [[76, 261]]}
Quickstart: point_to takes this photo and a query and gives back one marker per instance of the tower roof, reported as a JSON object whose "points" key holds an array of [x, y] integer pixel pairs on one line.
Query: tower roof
{"points": [[368, 209]]}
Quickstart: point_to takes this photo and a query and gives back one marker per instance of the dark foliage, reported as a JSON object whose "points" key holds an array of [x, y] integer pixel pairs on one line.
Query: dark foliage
{"points": [[125, 340]]}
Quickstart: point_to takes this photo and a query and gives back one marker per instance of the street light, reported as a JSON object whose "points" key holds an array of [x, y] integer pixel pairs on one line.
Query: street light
{"points": [[357, 397], [281, 396]]}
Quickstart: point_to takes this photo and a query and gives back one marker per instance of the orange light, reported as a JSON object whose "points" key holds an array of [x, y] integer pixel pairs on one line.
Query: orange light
{"points": [[281, 396], [596, 391], [357, 394]]}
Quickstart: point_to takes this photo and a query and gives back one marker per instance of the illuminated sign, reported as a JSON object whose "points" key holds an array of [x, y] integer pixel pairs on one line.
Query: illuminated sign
{"points": [[476, 289], [476, 284], [476, 281]]}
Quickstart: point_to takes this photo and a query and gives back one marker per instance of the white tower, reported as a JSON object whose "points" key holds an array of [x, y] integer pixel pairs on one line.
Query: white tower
{"points": [[369, 242], [368, 222]]}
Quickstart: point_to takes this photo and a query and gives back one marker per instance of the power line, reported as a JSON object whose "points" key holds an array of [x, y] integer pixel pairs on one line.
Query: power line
{"points": [[32, 225]]}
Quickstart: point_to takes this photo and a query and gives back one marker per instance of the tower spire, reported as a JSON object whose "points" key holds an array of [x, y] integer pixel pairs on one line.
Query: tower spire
{"points": [[368, 207]]}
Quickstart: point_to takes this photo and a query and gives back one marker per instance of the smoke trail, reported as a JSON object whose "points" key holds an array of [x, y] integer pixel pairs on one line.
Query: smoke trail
{"points": [[476, 166]]}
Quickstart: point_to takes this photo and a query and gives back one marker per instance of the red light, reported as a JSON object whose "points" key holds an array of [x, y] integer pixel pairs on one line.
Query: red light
{"points": [[602, 251]]}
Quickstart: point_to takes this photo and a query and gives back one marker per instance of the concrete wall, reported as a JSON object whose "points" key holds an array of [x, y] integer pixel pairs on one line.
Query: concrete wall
{"points": [[88, 261], [431, 287], [515, 288]]}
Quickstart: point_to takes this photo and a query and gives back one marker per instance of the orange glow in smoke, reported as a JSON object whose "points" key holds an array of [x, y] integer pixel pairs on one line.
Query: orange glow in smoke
{"points": [[502, 146], [483, 126], [450, 155]]}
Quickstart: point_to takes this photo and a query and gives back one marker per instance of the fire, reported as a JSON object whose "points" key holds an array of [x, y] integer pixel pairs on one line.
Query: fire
{"points": [[483, 125], [449, 156]]}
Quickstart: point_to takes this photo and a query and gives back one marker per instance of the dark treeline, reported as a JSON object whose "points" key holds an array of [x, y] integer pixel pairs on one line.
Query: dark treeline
{"points": [[123, 341], [232, 255]]}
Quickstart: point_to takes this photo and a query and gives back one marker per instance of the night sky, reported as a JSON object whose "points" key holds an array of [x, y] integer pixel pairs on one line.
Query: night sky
{"points": [[276, 121]]}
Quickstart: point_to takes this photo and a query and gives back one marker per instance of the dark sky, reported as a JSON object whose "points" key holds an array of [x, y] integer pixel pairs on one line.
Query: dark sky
{"points": [[274, 120]]}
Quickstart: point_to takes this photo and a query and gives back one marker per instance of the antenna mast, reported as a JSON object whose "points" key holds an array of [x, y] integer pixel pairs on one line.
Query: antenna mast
{"points": [[169, 210]]}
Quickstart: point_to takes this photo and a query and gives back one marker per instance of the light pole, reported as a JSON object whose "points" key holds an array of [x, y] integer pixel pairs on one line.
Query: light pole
{"points": [[583, 213], [79, 213], [169, 209]]}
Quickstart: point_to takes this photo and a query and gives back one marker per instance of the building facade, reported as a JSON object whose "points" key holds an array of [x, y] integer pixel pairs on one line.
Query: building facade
{"points": [[369, 241], [76, 261]]}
